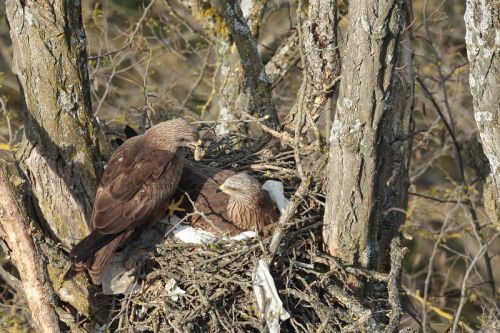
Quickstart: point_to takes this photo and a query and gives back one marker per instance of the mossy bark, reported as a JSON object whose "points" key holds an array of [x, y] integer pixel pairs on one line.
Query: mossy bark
{"points": [[59, 154], [241, 82], [367, 122]]}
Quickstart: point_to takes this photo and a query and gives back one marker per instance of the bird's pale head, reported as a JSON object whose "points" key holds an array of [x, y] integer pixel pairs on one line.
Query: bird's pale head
{"points": [[174, 134], [242, 188]]}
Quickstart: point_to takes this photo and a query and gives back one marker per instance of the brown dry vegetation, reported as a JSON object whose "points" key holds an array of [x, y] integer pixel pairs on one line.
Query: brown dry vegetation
{"points": [[140, 59]]}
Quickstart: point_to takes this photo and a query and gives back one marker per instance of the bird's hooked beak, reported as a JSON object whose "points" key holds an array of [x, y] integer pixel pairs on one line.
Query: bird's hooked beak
{"points": [[220, 189], [198, 149]]}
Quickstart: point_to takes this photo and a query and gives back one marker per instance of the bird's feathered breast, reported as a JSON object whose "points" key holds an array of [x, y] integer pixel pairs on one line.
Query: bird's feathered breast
{"points": [[200, 182], [256, 215], [139, 178]]}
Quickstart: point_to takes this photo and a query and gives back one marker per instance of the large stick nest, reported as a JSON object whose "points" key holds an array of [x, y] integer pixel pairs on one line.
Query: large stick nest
{"points": [[217, 277]]}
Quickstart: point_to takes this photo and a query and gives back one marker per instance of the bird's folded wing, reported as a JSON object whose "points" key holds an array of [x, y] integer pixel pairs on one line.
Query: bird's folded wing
{"points": [[125, 193]]}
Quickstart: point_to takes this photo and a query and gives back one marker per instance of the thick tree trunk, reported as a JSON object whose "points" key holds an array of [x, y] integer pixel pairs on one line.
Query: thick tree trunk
{"points": [[59, 154], [482, 22], [359, 166]]}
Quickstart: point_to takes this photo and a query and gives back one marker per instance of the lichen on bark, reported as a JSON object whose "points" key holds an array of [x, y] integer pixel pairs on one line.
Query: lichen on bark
{"points": [[365, 111], [482, 23]]}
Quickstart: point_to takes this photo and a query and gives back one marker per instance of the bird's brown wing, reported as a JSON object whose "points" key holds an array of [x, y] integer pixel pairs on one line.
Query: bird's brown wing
{"points": [[200, 182], [103, 256], [134, 182]]}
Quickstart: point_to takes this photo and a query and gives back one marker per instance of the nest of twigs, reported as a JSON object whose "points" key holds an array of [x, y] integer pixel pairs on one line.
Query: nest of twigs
{"points": [[217, 277]]}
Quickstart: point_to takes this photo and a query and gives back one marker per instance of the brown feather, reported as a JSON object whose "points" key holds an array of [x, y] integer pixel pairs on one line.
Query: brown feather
{"points": [[200, 182], [226, 214], [134, 190], [258, 215]]}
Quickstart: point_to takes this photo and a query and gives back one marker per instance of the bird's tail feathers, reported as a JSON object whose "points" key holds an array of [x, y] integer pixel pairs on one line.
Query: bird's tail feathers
{"points": [[90, 245]]}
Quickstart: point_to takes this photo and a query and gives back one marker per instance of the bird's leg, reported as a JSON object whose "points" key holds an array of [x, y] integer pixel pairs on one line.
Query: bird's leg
{"points": [[175, 206]]}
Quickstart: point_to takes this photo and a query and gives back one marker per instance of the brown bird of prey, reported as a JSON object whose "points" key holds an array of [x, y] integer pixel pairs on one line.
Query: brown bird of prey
{"points": [[230, 203], [135, 189]]}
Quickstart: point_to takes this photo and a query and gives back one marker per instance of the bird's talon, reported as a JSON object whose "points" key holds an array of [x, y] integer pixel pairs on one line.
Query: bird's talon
{"points": [[175, 206]]}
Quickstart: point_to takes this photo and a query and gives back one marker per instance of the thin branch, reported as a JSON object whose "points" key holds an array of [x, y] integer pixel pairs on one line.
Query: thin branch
{"points": [[10, 279], [130, 38], [434, 198], [472, 211], [397, 255], [463, 292]]}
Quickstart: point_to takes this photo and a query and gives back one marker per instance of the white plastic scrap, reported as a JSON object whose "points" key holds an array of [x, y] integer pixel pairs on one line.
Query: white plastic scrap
{"points": [[116, 279], [172, 290], [277, 193], [188, 234], [268, 300]]}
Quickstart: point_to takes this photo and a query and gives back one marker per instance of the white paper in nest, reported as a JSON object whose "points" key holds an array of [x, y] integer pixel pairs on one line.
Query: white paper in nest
{"points": [[188, 234], [116, 279], [172, 290], [119, 277], [277, 193], [268, 300]]}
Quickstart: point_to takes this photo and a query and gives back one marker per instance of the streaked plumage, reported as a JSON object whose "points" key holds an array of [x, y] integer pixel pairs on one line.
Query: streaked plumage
{"points": [[232, 202], [250, 207], [139, 181]]}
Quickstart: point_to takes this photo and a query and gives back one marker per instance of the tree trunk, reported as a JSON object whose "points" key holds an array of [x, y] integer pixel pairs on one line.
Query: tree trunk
{"points": [[360, 167], [59, 154], [396, 145], [482, 23]]}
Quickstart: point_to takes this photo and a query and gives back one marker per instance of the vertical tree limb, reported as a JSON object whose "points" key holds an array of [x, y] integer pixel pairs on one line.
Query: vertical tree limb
{"points": [[321, 47], [59, 153], [482, 23], [396, 148], [257, 85], [365, 107], [15, 230], [241, 82], [393, 284]]}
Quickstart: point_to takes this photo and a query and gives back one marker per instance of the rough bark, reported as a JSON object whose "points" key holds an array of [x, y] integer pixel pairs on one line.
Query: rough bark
{"points": [[257, 86], [59, 154], [15, 230], [322, 63], [285, 57], [365, 113], [396, 147], [482, 23]]}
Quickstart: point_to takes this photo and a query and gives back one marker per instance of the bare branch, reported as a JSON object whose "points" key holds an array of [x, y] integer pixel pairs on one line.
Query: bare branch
{"points": [[15, 231]]}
